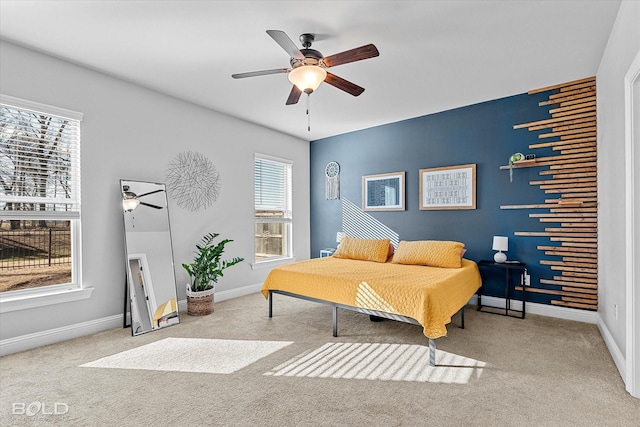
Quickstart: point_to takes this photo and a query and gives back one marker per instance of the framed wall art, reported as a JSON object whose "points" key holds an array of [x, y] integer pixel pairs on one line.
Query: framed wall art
{"points": [[383, 192], [450, 187]]}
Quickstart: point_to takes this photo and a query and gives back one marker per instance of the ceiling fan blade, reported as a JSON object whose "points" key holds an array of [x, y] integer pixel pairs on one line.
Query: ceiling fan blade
{"points": [[294, 95], [151, 206], [343, 84], [150, 192], [357, 54], [286, 43], [260, 73]]}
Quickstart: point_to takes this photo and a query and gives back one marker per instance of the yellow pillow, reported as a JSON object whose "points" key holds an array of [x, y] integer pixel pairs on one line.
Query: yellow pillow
{"points": [[376, 250], [435, 253]]}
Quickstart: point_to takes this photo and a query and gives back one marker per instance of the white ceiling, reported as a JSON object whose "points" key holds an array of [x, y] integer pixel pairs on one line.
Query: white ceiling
{"points": [[434, 55]]}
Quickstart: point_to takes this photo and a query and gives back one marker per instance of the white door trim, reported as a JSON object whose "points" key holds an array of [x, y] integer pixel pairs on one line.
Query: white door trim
{"points": [[632, 161]]}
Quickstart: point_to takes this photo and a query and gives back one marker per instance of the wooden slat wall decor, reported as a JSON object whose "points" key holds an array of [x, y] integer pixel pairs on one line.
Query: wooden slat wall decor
{"points": [[570, 180]]}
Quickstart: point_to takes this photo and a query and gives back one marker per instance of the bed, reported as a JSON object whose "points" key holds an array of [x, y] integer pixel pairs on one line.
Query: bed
{"points": [[424, 282]]}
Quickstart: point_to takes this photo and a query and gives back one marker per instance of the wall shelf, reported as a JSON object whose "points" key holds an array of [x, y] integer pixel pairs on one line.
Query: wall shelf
{"points": [[525, 163], [521, 164]]}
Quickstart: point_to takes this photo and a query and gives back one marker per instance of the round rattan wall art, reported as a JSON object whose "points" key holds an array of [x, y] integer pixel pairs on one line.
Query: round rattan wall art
{"points": [[193, 181]]}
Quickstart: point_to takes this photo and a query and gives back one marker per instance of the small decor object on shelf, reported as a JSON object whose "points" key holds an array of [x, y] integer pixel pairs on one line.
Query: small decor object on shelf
{"points": [[204, 272], [332, 181], [193, 181], [500, 243], [516, 157]]}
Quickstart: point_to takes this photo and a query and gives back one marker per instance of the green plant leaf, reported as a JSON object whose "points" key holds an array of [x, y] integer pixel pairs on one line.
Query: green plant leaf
{"points": [[207, 267]]}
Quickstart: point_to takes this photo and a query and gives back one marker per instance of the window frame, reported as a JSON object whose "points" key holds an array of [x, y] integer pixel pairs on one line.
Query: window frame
{"points": [[63, 292], [289, 256]]}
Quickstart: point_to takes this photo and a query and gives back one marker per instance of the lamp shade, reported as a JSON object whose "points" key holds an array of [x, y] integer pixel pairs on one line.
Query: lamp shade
{"points": [[500, 243], [307, 77], [130, 204], [339, 236]]}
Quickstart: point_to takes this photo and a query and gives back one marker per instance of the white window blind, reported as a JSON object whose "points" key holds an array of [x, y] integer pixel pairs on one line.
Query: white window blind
{"points": [[273, 208], [272, 190], [39, 161]]}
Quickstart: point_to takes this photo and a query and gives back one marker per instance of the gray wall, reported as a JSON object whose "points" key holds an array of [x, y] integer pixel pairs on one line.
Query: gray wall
{"points": [[132, 133]]}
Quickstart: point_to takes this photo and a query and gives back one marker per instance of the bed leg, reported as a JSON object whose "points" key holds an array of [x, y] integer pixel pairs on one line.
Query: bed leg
{"points": [[335, 321], [270, 304], [462, 314], [432, 352]]}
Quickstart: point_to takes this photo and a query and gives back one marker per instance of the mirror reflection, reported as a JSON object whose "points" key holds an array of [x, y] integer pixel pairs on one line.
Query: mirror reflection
{"points": [[149, 256]]}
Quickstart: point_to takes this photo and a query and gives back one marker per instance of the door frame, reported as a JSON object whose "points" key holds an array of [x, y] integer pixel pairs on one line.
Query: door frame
{"points": [[632, 219]]}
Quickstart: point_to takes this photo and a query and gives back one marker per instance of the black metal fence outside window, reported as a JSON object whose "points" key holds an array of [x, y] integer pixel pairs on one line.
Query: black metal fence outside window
{"points": [[34, 248]]}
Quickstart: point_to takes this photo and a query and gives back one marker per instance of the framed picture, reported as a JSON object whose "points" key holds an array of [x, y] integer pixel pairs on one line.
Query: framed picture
{"points": [[451, 187], [383, 192]]}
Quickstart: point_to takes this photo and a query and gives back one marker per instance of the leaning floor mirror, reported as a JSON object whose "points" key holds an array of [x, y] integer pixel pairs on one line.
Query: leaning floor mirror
{"points": [[150, 291]]}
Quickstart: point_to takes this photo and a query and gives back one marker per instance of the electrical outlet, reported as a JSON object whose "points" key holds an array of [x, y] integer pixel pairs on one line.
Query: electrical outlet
{"points": [[527, 279], [615, 311]]}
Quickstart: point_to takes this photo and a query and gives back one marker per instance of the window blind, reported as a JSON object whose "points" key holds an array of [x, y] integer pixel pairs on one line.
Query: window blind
{"points": [[272, 190], [39, 161]]}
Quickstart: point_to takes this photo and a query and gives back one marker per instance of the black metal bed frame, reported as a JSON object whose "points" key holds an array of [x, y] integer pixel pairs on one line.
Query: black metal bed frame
{"points": [[392, 316]]}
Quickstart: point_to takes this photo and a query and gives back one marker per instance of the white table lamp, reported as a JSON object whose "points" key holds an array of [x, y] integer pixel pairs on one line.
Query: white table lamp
{"points": [[500, 243]]}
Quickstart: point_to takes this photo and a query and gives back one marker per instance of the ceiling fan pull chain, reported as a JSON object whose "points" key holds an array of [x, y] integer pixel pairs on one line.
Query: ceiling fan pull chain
{"points": [[308, 115]]}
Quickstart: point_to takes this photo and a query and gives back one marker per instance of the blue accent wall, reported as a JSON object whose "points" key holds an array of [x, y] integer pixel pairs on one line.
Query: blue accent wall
{"points": [[482, 134]]}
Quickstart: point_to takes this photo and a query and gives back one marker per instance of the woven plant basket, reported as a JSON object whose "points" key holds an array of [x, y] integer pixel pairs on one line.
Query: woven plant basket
{"points": [[200, 303]]}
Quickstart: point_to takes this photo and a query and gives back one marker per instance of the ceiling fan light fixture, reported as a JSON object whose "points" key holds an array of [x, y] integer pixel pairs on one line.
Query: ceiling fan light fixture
{"points": [[129, 204], [307, 77]]}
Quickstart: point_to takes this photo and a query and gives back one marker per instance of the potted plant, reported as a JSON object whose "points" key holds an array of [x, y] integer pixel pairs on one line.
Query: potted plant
{"points": [[204, 272], [516, 157]]}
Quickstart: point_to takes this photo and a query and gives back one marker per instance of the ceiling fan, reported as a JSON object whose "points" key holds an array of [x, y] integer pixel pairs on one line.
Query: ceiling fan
{"points": [[308, 66], [130, 200]]}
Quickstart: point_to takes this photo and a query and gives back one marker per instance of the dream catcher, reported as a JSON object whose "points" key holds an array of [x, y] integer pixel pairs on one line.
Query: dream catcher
{"points": [[332, 181]]}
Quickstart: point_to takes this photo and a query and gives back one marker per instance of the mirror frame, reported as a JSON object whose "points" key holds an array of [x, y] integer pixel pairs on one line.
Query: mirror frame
{"points": [[131, 303]]}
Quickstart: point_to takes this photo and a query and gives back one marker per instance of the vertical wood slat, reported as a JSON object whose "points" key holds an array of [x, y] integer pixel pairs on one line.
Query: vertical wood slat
{"points": [[572, 255]]}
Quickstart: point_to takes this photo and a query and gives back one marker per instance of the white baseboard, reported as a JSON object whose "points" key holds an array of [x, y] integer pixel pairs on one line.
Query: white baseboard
{"points": [[225, 295], [541, 309], [238, 292], [52, 336], [618, 357]]}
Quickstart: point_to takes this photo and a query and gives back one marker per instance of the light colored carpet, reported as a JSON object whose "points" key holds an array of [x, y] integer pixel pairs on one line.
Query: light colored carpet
{"points": [[212, 356], [538, 371], [375, 361]]}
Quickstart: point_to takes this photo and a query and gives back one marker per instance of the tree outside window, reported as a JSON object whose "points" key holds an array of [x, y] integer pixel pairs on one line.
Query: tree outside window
{"points": [[39, 196]]}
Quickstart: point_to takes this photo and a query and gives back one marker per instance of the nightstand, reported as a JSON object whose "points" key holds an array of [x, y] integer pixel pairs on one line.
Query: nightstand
{"points": [[326, 252], [508, 267]]}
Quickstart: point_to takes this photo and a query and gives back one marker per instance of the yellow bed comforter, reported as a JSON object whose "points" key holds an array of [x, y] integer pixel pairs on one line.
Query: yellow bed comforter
{"points": [[430, 295]]}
